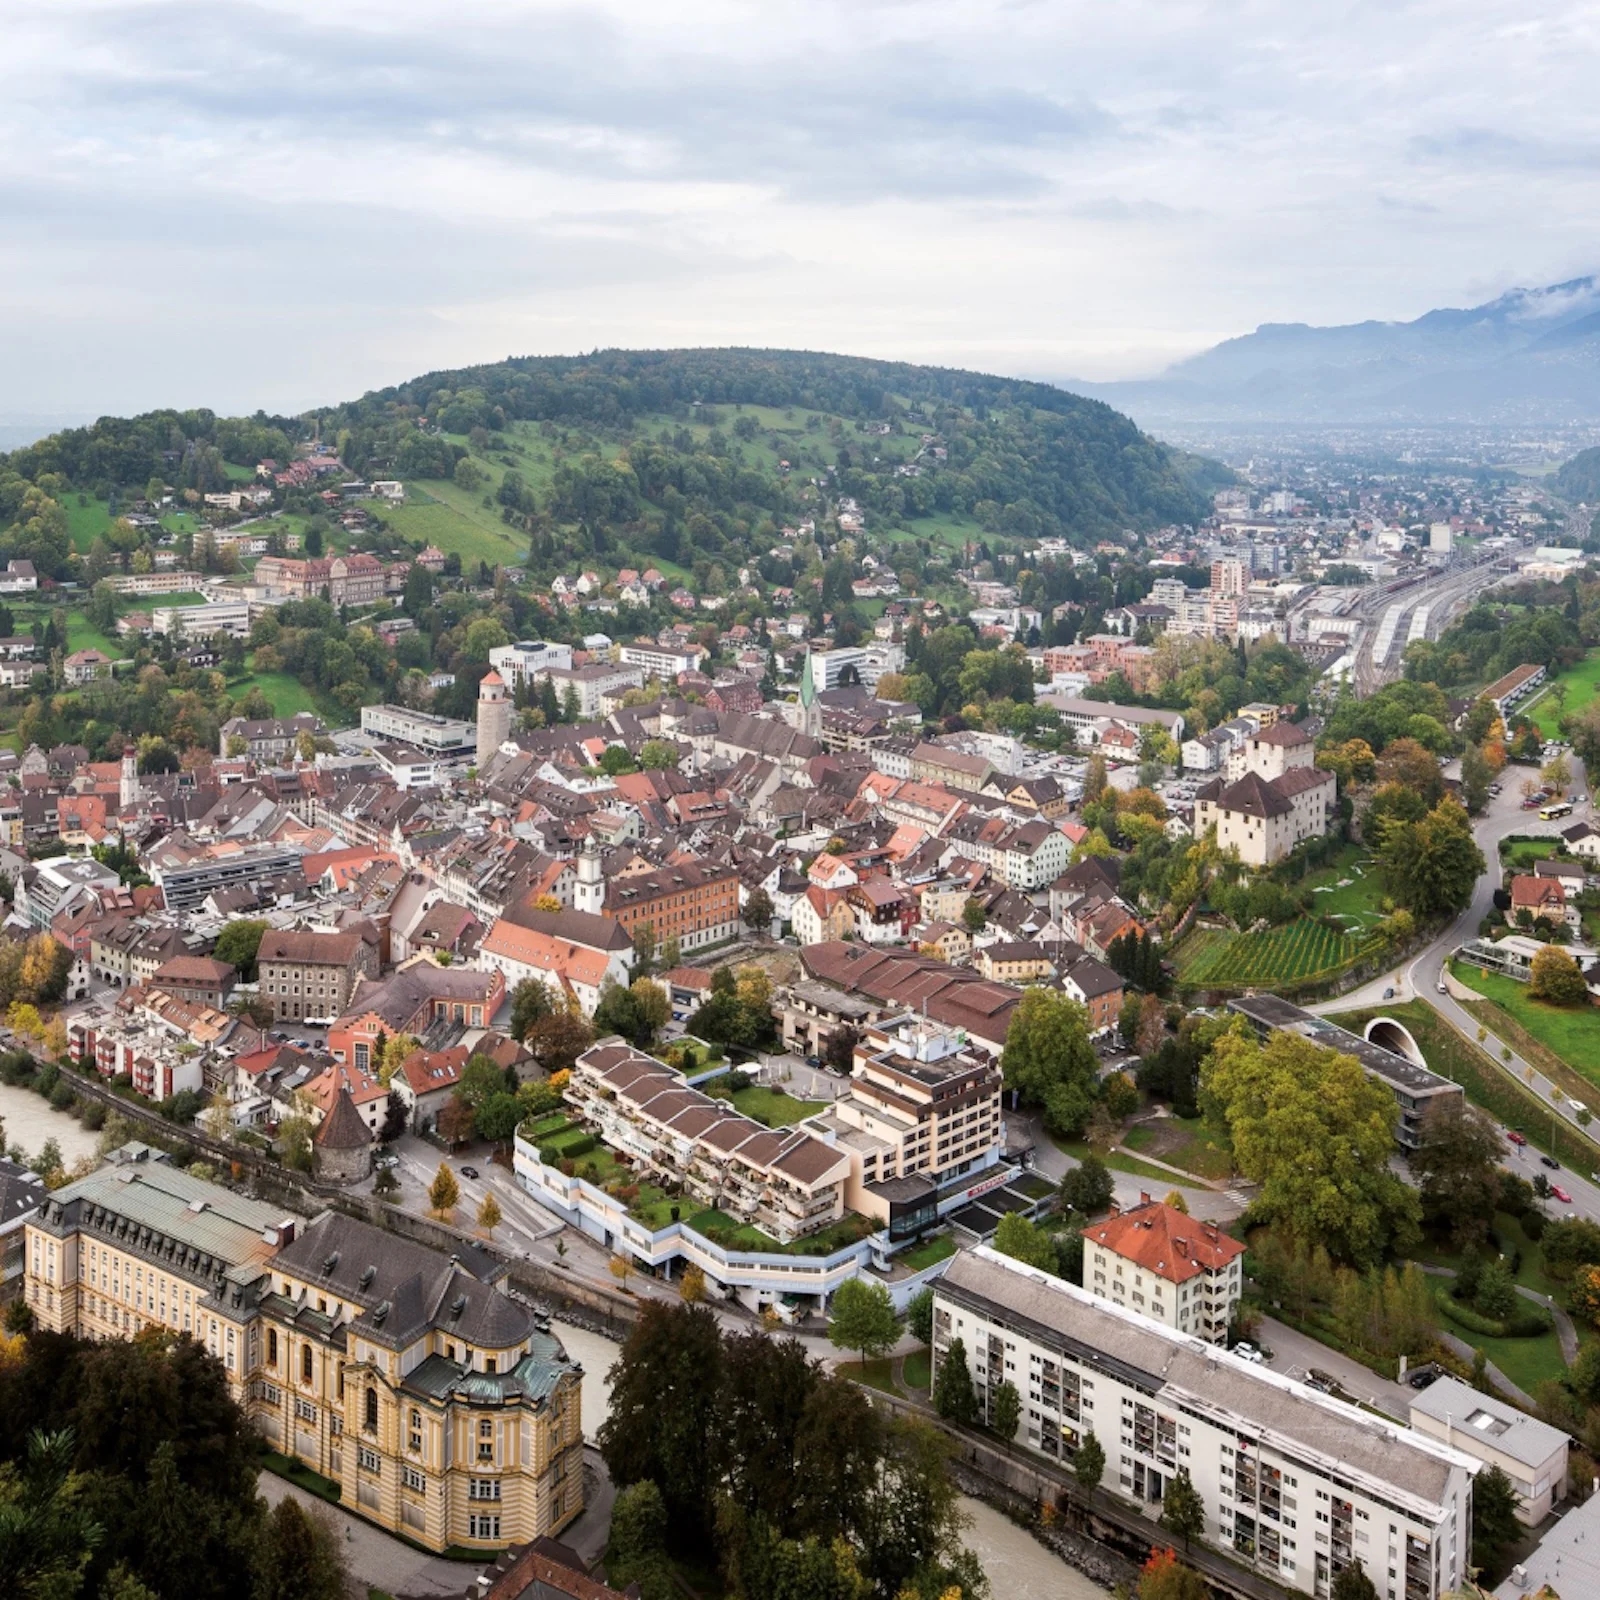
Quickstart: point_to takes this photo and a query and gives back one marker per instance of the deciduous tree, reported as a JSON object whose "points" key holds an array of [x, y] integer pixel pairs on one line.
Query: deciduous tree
{"points": [[953, 1395], [444, 1193], [863, 1319], [1557, 978]]}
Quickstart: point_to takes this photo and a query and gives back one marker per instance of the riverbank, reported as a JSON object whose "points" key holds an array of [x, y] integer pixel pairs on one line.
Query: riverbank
{"points": [[1022, 1562], [31, 1122]]}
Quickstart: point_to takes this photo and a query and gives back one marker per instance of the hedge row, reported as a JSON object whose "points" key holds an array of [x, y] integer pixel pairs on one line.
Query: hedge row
{"points": [[1524, 1324]]}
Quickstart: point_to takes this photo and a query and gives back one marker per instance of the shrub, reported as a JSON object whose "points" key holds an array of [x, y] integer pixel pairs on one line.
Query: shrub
{"points": [[94, 1115], [568, 1168], [1526, 1323], [1533, 1223], [549, 1155], [62, 1096]]}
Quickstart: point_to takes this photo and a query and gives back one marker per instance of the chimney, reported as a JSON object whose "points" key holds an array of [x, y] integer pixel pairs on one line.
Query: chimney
{"points": [[1144, 1197]]}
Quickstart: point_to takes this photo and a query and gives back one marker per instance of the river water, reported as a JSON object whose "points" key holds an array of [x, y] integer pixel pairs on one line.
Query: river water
{"points": [[1019, 1567], [30, 1120]]}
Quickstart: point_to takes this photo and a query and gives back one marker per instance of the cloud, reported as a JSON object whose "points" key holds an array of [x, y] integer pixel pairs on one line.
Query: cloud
{"points": [[281, 202]]}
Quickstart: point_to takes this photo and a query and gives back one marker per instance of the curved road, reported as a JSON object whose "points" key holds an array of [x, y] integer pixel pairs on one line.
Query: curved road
{"points": [[1418, 978]]}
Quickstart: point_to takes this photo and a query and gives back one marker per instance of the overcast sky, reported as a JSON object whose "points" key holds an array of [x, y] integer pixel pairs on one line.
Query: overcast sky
{"points": [[214, 202]]}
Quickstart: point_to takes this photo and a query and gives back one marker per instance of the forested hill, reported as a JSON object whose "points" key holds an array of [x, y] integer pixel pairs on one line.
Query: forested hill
{"points": [[1034, 458], [689, 459]]}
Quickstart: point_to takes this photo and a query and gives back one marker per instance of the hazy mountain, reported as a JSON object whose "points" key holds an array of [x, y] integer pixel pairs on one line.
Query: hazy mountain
{"points": [[1530, 355]]}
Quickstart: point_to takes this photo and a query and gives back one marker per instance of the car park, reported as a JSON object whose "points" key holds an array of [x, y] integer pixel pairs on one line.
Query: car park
{"points": [[1248, 1352], [1561, 1194]]}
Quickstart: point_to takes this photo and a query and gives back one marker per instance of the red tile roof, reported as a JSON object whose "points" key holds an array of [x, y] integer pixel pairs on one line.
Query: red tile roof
{"points": [[1162, 1240]]}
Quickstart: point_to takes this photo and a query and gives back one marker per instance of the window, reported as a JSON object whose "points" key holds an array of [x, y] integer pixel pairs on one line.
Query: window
{"points": [[372, 1410], [305, 1363], [305, 1411], [272, 1347], [480, 1527], [483, 1489], [369, 1459], [415, 1440], [413, 1479]]}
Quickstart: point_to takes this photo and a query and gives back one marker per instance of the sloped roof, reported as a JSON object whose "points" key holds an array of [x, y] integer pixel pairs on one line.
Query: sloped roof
{"points": [[342, 1128]]}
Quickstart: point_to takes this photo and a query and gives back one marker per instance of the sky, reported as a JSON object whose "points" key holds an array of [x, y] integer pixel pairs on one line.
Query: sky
{"points": [[280, 203]]}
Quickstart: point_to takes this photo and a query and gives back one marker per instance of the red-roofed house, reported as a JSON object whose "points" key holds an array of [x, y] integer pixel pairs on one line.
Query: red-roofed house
{"points": [[1163, 1264], [1543, 897], [426, 1080], [567, 966]]}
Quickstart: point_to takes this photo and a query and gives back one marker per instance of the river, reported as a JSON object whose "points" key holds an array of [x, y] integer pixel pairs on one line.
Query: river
{"points": [[1019, 1567], [30, 1120]]}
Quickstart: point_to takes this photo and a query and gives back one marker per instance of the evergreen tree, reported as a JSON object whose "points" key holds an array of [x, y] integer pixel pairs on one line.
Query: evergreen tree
{"points": [[1183, 1511], [1090, 1463], [953, 1395]]}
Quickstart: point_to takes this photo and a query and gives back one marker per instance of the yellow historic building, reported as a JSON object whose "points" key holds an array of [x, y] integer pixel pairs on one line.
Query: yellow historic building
{"points": [[439, 1404]]}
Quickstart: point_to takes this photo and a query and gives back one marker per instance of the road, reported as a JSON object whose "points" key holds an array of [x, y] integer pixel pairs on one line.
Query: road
{"points": [[1419, 977]]}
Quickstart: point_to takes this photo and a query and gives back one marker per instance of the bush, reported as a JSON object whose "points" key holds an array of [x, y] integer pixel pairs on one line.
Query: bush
{"points": [[1533, 1224], [94, 1115], [549, 1155], [62, 1096], [1522, 1324]]}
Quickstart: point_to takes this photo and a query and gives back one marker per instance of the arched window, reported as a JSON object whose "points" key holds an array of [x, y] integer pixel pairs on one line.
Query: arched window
{"points": [[305, 1363], [272, 1347], [372, 1409]]}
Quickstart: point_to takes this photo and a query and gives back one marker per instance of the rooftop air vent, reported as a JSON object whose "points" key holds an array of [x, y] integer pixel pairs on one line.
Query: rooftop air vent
{"points": [[330, 1262], [367, 1275], [379, 1314], [457, 1306]]}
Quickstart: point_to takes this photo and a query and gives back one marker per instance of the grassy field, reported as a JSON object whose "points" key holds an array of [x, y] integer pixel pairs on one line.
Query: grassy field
{"points": [[1570, 1033], [1298, 952], [928, 1252], [1582, 684], [81, 635], [458, 523], [1117, 1161], [288, 695], [1500, 1094], [1183, 1142], [1350, 889], [86, 523]]}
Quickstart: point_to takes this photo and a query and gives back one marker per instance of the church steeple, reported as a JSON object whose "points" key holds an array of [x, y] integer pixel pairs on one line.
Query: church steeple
{"points": [[810, 706]]}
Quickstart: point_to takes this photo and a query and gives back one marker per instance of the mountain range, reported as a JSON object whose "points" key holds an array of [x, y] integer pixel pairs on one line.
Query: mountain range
{"points": [[1531, 355]]}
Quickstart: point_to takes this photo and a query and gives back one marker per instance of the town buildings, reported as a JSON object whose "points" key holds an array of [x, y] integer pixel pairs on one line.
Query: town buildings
{"points": [[409, 1377], [1160, 1262], [1295, 1484], [306, 975]]}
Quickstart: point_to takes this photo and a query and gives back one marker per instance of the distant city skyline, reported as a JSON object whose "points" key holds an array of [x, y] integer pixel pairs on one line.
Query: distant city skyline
{"points": [[276, 206]]}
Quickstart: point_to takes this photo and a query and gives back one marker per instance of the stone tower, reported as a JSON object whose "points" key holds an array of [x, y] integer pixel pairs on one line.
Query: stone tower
{"points": [[589, 893], [810, 706], [128, 795], [494, 716]]}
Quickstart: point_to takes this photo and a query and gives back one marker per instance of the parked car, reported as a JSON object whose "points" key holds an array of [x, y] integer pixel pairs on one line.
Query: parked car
{"points": [[1323, 1382], [1422, 1377], [1516, 1136], [1561, 1194], [1494, 788], [1247, 1352], [1551, 1162], [469, 1172], [1388, 994]]}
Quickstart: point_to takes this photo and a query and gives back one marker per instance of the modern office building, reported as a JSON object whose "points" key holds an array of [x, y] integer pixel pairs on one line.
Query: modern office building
{"points": [[1531, 1453], [1296, 1485], [440, 736]]}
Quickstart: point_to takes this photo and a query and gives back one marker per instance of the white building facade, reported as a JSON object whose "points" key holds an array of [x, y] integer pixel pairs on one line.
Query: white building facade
{"points": [[1296, 1485]]}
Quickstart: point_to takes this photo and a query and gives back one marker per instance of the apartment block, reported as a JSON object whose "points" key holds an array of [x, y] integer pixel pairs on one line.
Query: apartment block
{"points": [[1160, 1262], [1296, 1485]]}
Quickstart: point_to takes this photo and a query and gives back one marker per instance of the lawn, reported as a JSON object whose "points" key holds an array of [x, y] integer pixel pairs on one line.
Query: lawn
{"points": [[81, 635], [288, 695], [1520, 855], [918, 1369], [1570, 1033], [928, 1252], [1184, 1142], [1350, 889], [1526, 1362], [1300, 952], [1582, 683], [773, 1107], [1116, 1160], [458, 523], [1502, 1095], [85, 523], [732, 1234]]}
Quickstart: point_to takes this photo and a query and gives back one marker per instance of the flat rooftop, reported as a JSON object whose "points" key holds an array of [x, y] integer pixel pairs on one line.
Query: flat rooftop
{"points": [[1269, 1012]]}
